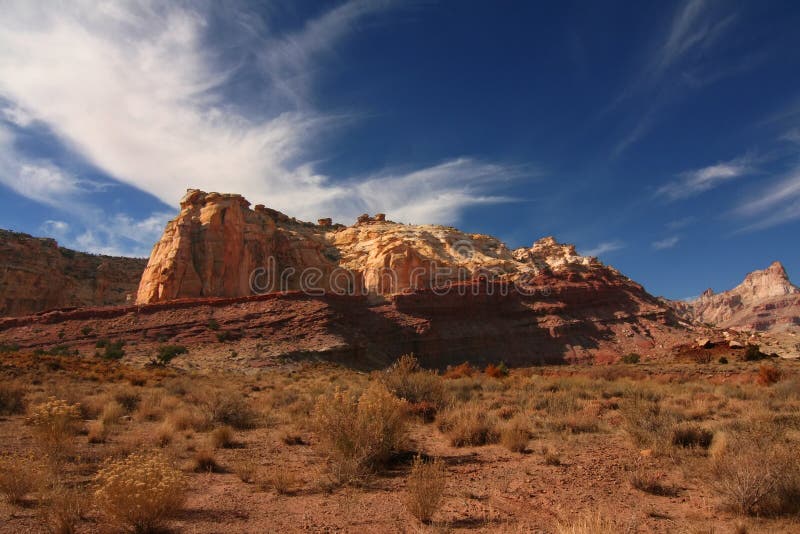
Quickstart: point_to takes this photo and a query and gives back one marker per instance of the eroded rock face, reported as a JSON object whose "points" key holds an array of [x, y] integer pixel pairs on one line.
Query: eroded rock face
{"points": [[38, 275], [217, 242], [766, 300]]}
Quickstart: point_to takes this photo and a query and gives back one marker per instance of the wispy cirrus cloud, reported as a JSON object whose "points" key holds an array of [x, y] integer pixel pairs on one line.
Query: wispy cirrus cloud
{"points": [[680, 60], [668, 242], [603, 248], [691, 183], [777, 204], [139, 90]]}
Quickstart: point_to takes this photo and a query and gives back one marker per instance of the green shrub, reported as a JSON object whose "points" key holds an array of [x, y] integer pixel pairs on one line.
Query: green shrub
{"points": [[631, 358], [753, 353], [166, 353], [6, 348], [112, 349], [228, 335]]}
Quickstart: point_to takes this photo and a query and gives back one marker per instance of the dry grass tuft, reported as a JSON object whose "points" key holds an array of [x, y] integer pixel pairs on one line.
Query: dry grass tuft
{"points": [[768, 375], [19, 476], [692, 436], [515, 434], [360, 435], [54, 423], [407, 380], [229, 407], [97, 432], [204, 461], [139, 492], [282, 479], [469, 425], [64, 509], [112, 413], [222, 438], [756, 472], [594, 523], [425, 488], [650, 482], [12, 398], [165, 434]]}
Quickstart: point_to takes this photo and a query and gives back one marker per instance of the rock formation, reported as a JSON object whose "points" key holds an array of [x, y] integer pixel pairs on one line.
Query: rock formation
{"points": [[217, 243], [766, 300], [36, 275], [388, 288]]}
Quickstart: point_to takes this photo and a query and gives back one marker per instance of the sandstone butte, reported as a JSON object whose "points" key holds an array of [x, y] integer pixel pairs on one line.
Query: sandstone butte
{"points": [[542, 304], [216, 242], [765, 301]]}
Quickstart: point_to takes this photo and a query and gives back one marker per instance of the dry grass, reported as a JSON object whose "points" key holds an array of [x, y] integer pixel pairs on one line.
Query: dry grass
{"points": [[646, 422], [768, 375], [228, 406], [515, 434], [19, 476], [139, 492], [247, 469], [588, 523], [406, 380], [54, 424], [204, 461], [12, 398], [64, 508], [97, 432], [112, 413], [692, 436], [469, 425], [360, 435], [757, 472], [425, 488], [281, 479], [222, 438], [651, 482]]}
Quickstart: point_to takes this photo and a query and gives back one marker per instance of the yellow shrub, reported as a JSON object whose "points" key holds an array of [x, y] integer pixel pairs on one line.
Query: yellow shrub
{"points": [[139, 492], [55, 422], [360, 435], [425, 488]]}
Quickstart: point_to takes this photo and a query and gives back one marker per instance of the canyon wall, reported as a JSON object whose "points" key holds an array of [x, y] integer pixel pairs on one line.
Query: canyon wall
{"points": [[36, 275]]}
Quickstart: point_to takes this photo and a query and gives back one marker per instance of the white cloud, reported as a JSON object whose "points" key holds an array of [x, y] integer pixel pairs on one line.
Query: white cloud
{"points": [[700, 180], [603, 248], [692, 28], [666, 243], [136, 90], [777, 204], [677, 224], [57, 228], [16, 115], [793, 136]]}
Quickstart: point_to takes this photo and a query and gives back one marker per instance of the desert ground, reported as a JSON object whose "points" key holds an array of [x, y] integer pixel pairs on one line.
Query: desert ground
{"points": [[91, 445]]}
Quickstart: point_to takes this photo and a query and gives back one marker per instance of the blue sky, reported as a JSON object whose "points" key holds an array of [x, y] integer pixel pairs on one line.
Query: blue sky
{"points": [[663, 137]]}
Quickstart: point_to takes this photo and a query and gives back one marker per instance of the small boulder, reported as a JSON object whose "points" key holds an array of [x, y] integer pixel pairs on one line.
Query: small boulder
{"points": [[735, 344], [704, 343]]}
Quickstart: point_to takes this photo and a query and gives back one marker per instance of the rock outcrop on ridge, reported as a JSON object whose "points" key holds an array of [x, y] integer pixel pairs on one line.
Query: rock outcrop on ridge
{"points": [[376, 290], [217, 246], [36, 275], [766, 300]]}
